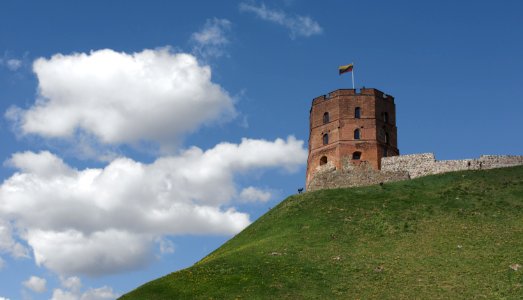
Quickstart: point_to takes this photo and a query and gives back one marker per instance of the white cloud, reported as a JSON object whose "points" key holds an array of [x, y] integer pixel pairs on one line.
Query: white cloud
{"points": [[13, 64], [214, 33], [252, 194], [103, 293], [8, 244], [102, 252], [153, 95], [297, 25], [71, 283], [59, 294], [35, 284], [3, 298], [111, 217], [99, 294], [166, 246]]}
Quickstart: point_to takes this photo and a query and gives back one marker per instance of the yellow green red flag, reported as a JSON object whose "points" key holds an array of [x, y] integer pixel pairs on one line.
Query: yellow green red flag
{"points": [[345, 69]]}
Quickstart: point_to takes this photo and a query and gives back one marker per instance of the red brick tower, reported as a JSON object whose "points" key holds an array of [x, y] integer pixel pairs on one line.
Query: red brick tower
{"points": [[356, 126]]}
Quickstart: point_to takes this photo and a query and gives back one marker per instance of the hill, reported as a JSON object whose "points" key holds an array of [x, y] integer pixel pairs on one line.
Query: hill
{"points": [[456, 235]]}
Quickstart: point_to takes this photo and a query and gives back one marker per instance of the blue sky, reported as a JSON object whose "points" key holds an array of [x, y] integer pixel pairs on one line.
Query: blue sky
{"points": [[136, 137]]}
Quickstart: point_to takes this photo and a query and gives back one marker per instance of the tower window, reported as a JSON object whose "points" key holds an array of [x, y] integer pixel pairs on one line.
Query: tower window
{"points": [[325, 139], [356, 155], [385, 153], [387, 139], [323, 160], [326, 118], [357, 112], [357, 134], [385, 117]]}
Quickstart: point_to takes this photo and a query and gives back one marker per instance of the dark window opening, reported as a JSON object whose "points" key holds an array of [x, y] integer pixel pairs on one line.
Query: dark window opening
{"points": [[326, 118], [357, 112], [323, 160], [357, 134], [385, 153], [385, 117], [387, 139], [356, 155], [325, 139]]}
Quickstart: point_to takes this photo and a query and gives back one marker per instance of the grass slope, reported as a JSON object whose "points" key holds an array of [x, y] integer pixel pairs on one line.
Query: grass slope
{"points": [[439, 237]]}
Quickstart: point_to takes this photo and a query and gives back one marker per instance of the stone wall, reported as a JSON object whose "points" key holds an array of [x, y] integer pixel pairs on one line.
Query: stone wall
{"points": [[396, 168], [418, 165], [328, 177]]}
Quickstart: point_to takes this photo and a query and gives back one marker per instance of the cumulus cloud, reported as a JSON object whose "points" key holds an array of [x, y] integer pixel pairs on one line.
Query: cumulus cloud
{"points": [[71, 291], [296, 24], [151, 96], [35, 284], [211, 40], [113, 217], [252, 194], [103, 293], [8, 243], [72, 283]]}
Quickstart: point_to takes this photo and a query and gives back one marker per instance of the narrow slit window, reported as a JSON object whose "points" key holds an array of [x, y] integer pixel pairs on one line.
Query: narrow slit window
{"points": [[357, 112], [326, 118], [325, 139], [385, 117], [357, 134]]}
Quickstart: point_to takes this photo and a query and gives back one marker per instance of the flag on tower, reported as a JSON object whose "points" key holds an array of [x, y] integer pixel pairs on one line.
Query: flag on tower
{"points": [[345, 69]]}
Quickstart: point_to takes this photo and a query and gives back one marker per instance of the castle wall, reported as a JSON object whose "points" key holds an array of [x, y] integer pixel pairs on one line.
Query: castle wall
{"points": [[327, 177], [402, 167], [418, 165]]}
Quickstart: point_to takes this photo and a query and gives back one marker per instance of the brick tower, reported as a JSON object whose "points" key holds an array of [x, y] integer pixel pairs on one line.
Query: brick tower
{"points": [[344, 124]]}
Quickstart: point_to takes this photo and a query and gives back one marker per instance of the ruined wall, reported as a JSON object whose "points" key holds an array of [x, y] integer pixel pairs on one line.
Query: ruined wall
{"points": [[362, 174], [418, 165], [396, 168]]}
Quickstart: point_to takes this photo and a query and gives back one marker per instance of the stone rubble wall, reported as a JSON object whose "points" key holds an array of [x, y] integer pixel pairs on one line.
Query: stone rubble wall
{"points": [[327, 177], [396, 168], [418, 165]]}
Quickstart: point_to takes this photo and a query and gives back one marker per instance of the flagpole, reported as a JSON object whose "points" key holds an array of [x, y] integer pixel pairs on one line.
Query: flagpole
{"points": [[353, 76]]}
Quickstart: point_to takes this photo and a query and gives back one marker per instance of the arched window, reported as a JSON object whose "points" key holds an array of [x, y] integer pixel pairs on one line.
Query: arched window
{"points": [[357, 134], [356, 155], [385, 117], [325, 139], [357, 112], [326, 118], [387, 138], [323, 160]]}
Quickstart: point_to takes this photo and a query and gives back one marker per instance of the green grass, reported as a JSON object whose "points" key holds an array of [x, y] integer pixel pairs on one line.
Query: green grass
{"points": [[440, 237]]}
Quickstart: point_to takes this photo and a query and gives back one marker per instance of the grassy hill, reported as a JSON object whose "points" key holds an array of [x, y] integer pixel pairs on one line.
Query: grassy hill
{"points": [[457, 235]]}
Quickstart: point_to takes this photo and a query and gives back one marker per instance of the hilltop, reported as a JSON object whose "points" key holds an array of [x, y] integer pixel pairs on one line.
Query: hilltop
{"points": [[455, 235]]}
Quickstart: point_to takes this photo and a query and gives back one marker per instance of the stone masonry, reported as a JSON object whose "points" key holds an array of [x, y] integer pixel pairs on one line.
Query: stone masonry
{"points": [[403, 167]]}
